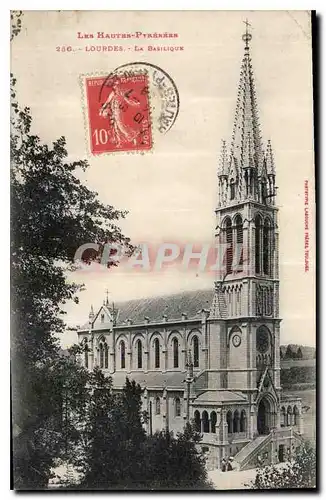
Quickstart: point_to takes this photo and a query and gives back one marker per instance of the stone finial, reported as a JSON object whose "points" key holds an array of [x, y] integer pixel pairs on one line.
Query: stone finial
{"points": [[91, 315], [270, 167], [223, 163]]}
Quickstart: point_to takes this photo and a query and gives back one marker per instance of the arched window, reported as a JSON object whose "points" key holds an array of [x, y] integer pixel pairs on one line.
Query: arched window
{"points": [[196, 351], [232, 189], [102, 318], [289, 416], [295, 416], [263, 190], [106, 355], [122, 355], [197, 421], [213, 422], [157, 406], [205, 421], [177, 407], [283, 417], [266, 247], [157, 353], [258, 225], [175, 353], [229, 422], [263, 341], [236, 421], [139, 354], [86, 354], [243, 421], [101, 355], [229, 245], [239, 243]]}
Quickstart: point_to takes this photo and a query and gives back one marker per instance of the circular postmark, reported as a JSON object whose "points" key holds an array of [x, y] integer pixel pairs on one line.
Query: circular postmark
{"points": [[162, 91]]}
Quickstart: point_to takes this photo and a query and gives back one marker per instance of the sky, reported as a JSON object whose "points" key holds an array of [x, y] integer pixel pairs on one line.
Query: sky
{"points": [[171, 192]]}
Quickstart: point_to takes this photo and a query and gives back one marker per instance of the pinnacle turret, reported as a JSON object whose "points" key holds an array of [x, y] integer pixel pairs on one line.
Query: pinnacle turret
{"points": [[270, 167], [91, 315], [223, 163]]}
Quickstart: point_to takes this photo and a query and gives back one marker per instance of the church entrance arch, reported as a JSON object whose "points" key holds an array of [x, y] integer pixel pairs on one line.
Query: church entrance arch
{"points": [[265, 416]]}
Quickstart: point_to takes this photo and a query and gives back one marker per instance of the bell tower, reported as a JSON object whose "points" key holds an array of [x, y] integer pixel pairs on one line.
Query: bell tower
{"points": [[247, 283]]}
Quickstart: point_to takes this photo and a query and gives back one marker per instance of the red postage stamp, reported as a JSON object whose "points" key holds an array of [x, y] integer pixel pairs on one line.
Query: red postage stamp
{"points": [[119, 113]]}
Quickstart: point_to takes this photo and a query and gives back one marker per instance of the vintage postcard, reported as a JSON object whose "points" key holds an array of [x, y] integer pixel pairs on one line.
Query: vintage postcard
{"points": [[163, 250]]}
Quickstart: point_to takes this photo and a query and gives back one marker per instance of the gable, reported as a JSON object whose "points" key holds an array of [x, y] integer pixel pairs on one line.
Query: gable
{"points": [[266, 385], [102, 318]]}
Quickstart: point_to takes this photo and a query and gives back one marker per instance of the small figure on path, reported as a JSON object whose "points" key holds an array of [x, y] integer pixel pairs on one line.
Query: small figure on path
{"points": [[230, 467]]}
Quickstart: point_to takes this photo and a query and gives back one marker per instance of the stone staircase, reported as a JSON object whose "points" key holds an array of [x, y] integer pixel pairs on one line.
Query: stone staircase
{"points": [[246, 453]]}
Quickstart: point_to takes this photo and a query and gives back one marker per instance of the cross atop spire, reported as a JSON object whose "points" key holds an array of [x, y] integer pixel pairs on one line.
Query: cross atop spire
{"points": [[246, 37]]}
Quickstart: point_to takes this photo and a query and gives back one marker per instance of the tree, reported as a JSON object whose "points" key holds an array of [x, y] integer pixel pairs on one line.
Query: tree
{"points": [[118, 454], [299, 473], [52, 214], [114, 435], [289, 354], [175, 463], [299, 353], [57, 392]]}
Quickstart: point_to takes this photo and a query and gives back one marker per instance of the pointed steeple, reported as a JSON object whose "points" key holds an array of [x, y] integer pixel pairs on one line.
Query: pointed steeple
{"points": [[245, 169], [246, 143]]}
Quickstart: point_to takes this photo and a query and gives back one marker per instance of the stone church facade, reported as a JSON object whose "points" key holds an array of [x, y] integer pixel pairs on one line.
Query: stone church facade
{"points": [[213, 356]]}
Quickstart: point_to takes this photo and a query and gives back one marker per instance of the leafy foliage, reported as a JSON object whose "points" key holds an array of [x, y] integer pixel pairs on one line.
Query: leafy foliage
{"points": [[52, 214], [16, 23], [56, 397], [174, 463], [62, 413], [300, 473], [118, 454]]}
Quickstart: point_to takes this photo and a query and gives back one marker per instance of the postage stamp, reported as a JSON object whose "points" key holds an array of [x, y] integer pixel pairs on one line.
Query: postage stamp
{"points": [[163, 92], [120, 119]]}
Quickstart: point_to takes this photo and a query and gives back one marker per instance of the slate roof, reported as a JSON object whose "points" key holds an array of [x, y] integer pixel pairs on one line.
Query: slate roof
{"points": [[191, 303], [215, 396]]}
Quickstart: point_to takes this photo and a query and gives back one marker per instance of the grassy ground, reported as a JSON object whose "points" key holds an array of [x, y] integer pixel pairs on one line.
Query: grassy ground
{"points": [[288, 363]]}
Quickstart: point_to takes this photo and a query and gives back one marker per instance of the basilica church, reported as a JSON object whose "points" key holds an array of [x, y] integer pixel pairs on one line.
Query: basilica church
{"points": [[212, 357]]}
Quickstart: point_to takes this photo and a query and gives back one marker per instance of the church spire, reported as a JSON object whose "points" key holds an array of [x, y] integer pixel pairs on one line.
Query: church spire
{"points": [[246, 146], [245, 167]]}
